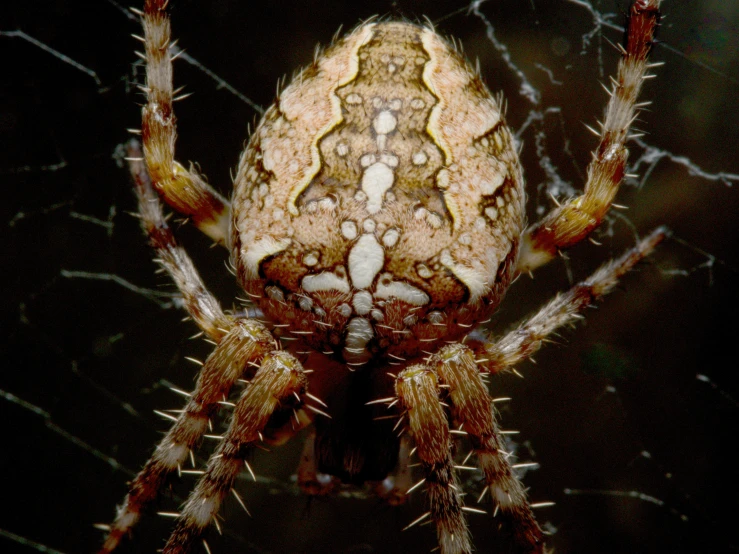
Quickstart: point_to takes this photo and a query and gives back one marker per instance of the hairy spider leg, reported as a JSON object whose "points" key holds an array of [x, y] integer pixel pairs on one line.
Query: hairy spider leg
{"points": [[572, 221], [454, 372], [183, 189], [246, 344], [473, 410], [417, 388], [277, 384], [241, 346], [202, 306], [240, 343], [520, 344]]}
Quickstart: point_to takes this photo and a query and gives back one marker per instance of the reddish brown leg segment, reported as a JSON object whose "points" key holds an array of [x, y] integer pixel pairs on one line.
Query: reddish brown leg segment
{"points": [[182, 189], [310, 481], [574, 220], [246, 343], [394, 489], [275, 385], [418, 390], [473, 408], [521, 343], [200, 304]]}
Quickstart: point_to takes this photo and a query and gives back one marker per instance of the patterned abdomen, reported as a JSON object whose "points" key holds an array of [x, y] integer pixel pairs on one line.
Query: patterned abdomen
{"points": [[379, 204]]}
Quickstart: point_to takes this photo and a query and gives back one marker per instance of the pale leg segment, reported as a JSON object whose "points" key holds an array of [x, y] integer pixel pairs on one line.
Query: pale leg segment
{"points": [[473, 409], [310, 481], [280, 383], [454, 375], [182, 189], [246, 344], [574, 220], [521, 343], [202, 306], [417, 388]]}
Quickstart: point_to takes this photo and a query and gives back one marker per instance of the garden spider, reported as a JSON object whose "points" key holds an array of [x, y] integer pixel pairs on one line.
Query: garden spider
{"points": [[377, 220]]}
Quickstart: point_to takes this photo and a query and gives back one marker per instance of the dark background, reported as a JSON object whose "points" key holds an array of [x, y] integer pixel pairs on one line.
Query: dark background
{"points": [[615, 410]]}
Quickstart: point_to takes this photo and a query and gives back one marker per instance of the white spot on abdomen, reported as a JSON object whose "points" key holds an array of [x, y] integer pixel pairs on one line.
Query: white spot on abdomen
{"points": [[489, 187], [325, 280], [367, 160], [424, 272], [401, 290], [376, 180], [473, 279], [366, 259], [390, 238], [349, 230], [342, 149], [353, 98], [418, 103], [310, 259], [384, 123], [390, 160], [260, 249], [419, 158]]}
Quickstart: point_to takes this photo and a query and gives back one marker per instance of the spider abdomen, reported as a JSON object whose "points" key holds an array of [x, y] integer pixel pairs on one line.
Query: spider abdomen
{"points": [[379, 204]]}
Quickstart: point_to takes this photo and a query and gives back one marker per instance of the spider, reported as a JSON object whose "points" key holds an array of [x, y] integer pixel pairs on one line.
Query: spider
{"points": [[376, 222]]}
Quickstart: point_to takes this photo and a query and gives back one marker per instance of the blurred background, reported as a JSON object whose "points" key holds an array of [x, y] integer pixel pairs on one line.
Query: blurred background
{"points": [[630, 416]]}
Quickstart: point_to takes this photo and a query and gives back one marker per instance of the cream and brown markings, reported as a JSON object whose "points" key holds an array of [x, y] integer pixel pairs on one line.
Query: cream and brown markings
{"points": [[379, 203]]}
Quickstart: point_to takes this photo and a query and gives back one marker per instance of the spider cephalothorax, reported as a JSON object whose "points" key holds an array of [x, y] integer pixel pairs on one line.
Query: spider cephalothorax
{"points": [[377, 220]]}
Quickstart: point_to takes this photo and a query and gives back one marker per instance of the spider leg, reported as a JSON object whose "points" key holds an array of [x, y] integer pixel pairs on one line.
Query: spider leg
{"points": [[199, 302], [275, 385], [565, 308], [247, 343], [394, 489], [310, 480], [182, 189], [473, 408], [417, 388], [572, 221], [455, 368]]}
